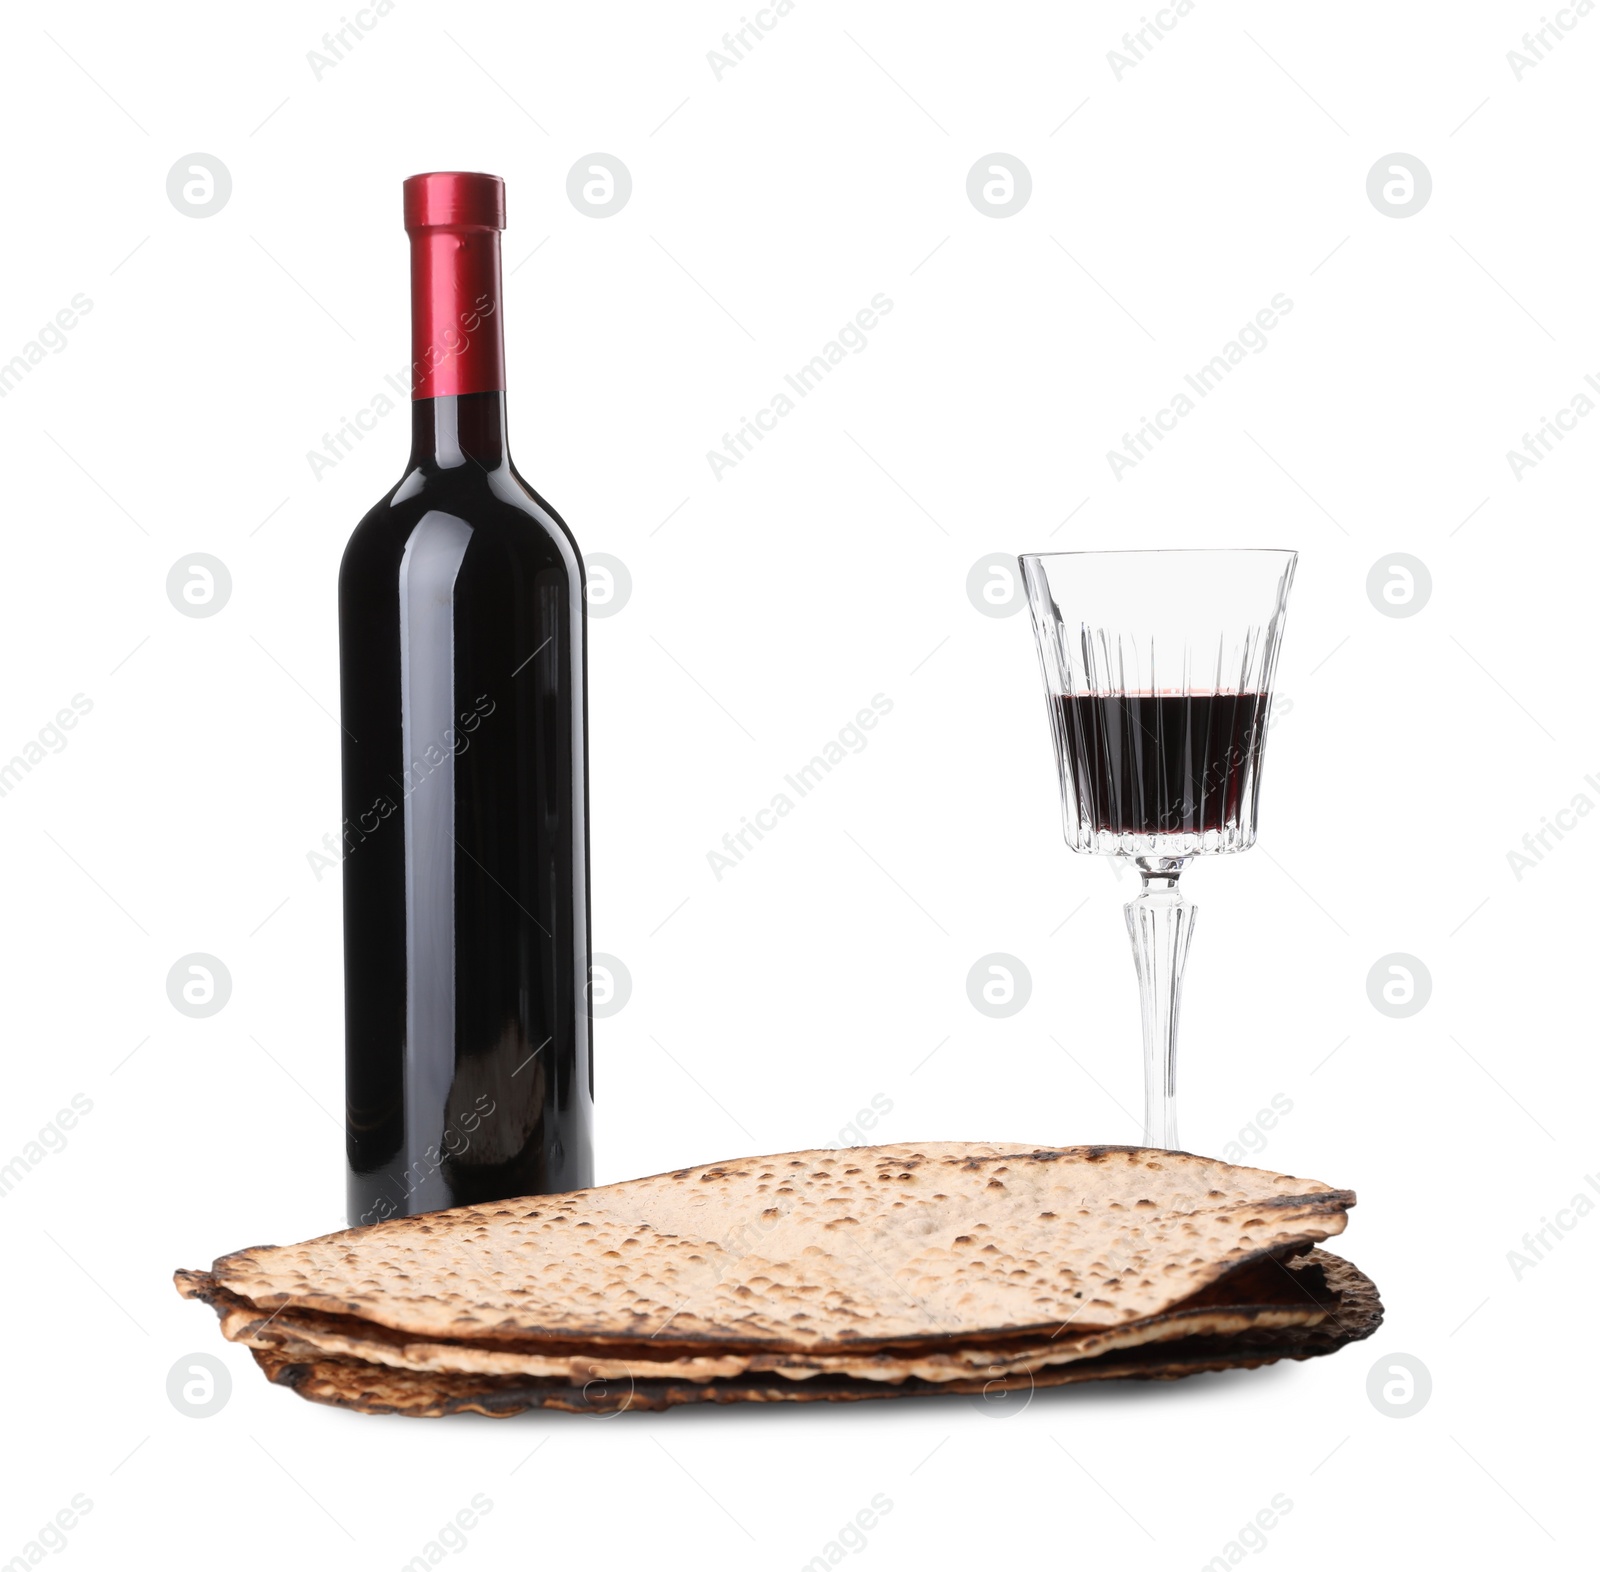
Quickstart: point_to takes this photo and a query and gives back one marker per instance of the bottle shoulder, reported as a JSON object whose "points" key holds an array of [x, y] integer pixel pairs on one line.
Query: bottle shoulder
{"points": [[505, 519]]}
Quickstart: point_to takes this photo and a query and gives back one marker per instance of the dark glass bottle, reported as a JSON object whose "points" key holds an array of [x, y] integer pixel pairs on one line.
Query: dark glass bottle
{"points": [[462, 638]]}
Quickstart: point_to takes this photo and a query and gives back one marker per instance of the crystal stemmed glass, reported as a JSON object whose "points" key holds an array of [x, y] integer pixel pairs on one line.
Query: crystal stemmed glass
{"points": [[1158, 670]]}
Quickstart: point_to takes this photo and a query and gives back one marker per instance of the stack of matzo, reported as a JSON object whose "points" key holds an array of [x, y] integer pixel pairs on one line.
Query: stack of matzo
{"points": [[826, 1275]]}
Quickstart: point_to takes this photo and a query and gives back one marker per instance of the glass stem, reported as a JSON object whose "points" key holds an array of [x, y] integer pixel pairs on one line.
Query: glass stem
{"points": [[1160, 923]]}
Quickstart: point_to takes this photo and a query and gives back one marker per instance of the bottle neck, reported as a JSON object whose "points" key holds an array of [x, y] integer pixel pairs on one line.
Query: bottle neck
{"points": [[456, 429], [458, 375], [457, 346]]}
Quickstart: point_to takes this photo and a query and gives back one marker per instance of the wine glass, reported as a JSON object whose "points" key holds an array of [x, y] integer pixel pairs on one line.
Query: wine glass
{"points": [[1158, 673]]}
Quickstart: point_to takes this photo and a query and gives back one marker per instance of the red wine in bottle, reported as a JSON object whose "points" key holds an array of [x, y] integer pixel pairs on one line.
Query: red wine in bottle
{"points": [[462, 685]]}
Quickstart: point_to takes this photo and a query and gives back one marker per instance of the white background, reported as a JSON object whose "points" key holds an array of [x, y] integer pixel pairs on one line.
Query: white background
{"points": [[767, 607]]}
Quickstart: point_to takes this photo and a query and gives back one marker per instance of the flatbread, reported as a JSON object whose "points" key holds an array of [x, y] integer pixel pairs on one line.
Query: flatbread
{"points": [[808, 1276], [1258, 1294], [1355, 1313], [894, 1250]]}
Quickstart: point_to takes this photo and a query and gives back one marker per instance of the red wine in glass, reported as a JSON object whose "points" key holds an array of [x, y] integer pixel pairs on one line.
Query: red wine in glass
{"points": [[1162, 763]]}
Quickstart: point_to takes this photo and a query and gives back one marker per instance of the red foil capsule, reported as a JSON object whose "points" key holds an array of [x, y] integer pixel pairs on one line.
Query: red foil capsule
{"points": [[454, 220]]}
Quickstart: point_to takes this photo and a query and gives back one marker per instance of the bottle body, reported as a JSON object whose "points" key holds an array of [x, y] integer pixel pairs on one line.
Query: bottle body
{"points": [[462, 652], [466, 910]]}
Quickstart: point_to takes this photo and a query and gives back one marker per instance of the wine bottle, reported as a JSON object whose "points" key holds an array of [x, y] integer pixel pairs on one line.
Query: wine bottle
{"points": [[462, 648]]}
